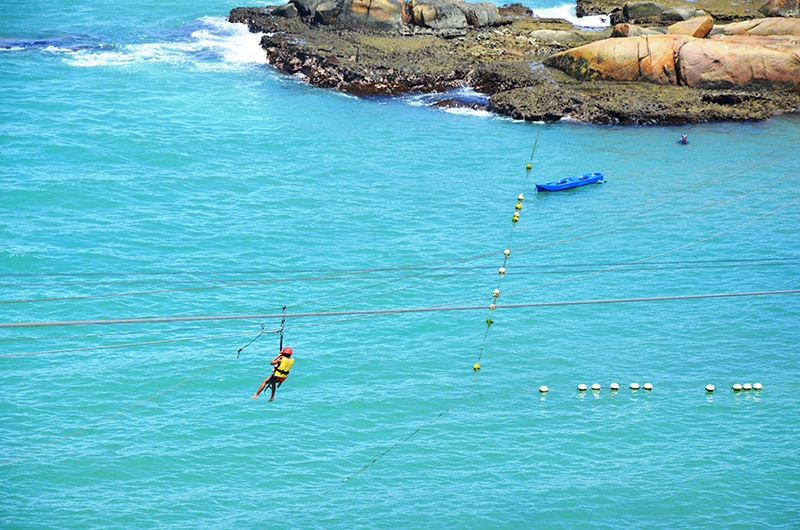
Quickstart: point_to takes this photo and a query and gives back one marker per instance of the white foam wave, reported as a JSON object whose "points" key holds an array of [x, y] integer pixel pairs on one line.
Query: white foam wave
{"points": [[567, 12], [469, 112], [216, 42]]}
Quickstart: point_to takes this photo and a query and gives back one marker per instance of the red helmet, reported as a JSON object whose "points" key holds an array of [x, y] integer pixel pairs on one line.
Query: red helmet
{"points": [[286, 351]]}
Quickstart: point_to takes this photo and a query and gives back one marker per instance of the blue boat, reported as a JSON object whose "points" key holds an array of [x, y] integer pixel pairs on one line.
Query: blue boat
{"points": [[571, 182]]}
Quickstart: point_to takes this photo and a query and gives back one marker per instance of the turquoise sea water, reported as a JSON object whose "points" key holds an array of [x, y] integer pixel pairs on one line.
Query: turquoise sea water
{"points": [[153, 167]]}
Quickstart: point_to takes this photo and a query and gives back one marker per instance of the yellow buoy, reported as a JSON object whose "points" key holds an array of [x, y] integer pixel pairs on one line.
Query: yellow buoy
{"points": [[476, 367], [518, 206], [528, 166]]}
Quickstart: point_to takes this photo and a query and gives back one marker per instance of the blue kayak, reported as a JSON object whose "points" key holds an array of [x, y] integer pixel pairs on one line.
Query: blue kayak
{"points": [[571, 182]]}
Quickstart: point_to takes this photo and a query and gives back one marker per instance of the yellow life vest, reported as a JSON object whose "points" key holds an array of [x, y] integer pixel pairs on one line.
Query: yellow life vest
{"points": [[283, 367]]}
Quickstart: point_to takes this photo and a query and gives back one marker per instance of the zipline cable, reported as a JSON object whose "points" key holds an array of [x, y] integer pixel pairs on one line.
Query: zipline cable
{"points": [[133, 344], [657, 255]]}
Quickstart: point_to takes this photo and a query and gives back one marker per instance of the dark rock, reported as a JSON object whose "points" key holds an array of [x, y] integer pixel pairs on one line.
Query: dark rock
{"points": [[642, 12], [779, 8], [677, 14], [480, 14], [327, 12], [306, 8], [437, 14], [515, 10], [286, 11], [463, 103]]}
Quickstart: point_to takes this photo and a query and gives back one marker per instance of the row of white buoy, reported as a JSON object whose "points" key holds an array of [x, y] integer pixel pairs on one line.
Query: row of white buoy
{"points": [[596, 387], [739, 387]]}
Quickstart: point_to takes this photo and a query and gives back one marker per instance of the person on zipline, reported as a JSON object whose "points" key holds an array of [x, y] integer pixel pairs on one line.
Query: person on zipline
{"points": [[280, 371]]}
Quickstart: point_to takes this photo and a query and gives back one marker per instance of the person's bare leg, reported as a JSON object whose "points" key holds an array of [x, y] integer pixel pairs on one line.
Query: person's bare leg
{"points": [[261, 388]]}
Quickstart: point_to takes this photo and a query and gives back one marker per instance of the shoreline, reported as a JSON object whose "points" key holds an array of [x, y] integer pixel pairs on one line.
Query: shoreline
{"points": [[504, 62]]}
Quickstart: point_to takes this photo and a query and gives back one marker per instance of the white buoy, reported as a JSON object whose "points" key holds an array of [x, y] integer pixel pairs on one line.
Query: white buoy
{"points": [[757, 386], [501, 270], [710, 388], [506, 252], [492, 307], [496, 293], [581, 387], [737, 387], [648, 386], [521, 197], [747, 386], [596, 386], [614, 386], [634, 386], [543, 389]]}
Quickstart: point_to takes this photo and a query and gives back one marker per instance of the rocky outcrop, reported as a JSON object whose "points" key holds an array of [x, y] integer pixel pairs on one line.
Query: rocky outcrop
{"points": [[508, 63], [450, 17], [674, 10], [722, 62]]}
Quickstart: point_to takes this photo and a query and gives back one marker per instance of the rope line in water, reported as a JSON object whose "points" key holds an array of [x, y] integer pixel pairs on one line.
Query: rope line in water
{"points": [[495, 293], [506, 253]]}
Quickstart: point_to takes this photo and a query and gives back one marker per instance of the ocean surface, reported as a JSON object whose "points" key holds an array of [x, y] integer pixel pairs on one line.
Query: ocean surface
{"points": [[164, 195]]}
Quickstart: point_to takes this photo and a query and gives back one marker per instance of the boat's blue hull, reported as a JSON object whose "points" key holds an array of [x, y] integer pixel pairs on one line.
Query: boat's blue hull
{"points": [[571, 182]]}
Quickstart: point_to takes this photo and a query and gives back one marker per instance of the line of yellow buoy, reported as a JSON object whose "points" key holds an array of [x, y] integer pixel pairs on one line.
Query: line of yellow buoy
{"points": [[502, 270]]}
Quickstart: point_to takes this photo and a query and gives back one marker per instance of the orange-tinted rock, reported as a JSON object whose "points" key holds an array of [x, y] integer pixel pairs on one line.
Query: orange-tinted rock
{"points": [[649, 58], [624, 29], [378, 14], [698, 27], [762, 26], [736, 61]]}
